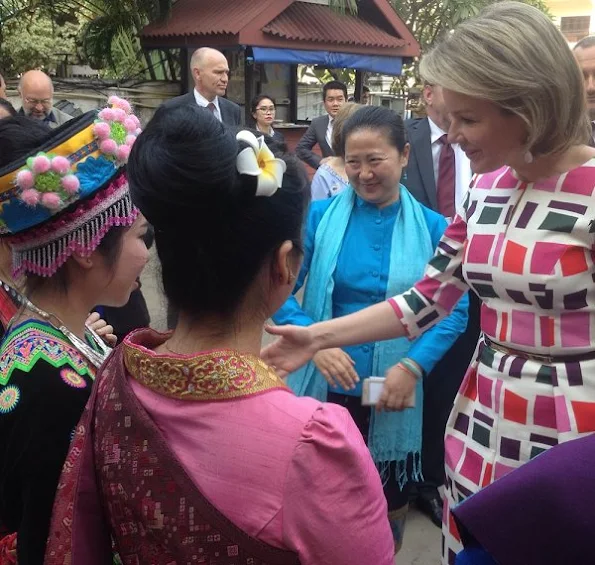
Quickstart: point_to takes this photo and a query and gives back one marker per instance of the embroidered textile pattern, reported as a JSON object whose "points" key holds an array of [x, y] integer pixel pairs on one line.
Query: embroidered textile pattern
{"points": [[156, 514], [217, 375], [43, 250], [9, 398], [34, 340], [147, 490], [72, 378]]}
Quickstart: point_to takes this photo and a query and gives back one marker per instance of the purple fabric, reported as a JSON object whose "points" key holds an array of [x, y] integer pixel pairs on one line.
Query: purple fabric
{"points": [[539, 514]]}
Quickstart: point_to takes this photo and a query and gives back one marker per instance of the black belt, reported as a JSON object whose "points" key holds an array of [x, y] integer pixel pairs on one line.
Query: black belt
{"points": [[547, 359]]}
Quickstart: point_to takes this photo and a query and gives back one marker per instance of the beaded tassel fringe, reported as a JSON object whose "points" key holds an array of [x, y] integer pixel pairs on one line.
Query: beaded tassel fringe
{"points": [[83, 237]]}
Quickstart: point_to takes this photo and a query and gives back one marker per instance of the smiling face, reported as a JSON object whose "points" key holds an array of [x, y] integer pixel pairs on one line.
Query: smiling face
{"points": [[586, 61], [374, 166], [37, 93], [490, 137]]}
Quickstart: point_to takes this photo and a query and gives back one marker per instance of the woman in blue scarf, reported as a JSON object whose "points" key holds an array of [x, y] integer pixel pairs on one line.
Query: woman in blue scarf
{"points": [[369, 243]]}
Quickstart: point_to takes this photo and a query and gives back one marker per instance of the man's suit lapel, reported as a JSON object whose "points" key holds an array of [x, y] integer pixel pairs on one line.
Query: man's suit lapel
{"points": [[223, 110], [421, 145]]}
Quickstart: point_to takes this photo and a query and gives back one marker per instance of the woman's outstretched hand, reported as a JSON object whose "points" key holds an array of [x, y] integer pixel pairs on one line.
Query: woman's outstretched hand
{"points": [[294, 348]]}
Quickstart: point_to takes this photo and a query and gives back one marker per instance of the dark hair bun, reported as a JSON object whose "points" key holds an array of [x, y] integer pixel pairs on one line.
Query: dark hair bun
{"points": [[212, 232], [184, 156]]}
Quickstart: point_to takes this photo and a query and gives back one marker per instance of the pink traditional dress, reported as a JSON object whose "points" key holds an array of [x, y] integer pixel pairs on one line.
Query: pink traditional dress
{"points": [[526, 249], [212, 459]]}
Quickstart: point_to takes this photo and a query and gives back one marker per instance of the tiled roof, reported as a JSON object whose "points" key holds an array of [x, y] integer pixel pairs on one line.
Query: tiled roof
{"points": [[205, 17], [313, 22]]}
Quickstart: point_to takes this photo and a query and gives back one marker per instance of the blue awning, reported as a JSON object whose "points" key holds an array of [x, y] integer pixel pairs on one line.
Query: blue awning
{"points": [[330, 59]]}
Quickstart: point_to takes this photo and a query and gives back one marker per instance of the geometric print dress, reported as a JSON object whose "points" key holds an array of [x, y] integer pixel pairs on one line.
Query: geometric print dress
{"points": [[527, 250]]}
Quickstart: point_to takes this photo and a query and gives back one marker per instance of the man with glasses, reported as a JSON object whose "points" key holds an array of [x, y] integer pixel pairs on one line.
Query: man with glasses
{"points": [[37, 99]]}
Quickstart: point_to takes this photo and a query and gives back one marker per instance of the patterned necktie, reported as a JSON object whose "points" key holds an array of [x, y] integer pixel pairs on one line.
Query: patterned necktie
{"points": [[445, 185], [212, 107]]}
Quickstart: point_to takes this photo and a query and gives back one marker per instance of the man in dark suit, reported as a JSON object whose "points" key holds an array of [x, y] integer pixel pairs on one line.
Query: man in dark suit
{"points": [[584, 52], [210, 72], [334, 95], [438, 175]]}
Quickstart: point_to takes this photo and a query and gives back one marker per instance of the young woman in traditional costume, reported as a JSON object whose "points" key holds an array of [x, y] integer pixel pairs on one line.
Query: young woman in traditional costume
{"points": [[76, 238], [196, 449]]}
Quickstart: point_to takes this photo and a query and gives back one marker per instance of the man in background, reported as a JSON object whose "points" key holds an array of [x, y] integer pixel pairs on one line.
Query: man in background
{"points": [[438, 175], [320, 132], [210, 72], [584, 51], [37, 99]]}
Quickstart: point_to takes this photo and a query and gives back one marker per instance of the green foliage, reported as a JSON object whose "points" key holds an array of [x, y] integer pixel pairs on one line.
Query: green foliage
{"points": [[428, 20], [33, 40], [106, 33]]}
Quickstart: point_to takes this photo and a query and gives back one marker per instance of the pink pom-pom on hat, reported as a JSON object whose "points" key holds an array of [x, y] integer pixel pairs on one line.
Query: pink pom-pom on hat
{"points": [[60, 165], [124, 105], [71, 184], [30, 197], [102, 130], [123, 153], [41, 164], [51, 200], [130, 139], [108, 146], [130, 125], [119, 115], [25, 179], [106, 114]]}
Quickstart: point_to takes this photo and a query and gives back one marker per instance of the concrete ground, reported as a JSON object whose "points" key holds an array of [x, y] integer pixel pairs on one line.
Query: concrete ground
{"points": [[422, 539]]}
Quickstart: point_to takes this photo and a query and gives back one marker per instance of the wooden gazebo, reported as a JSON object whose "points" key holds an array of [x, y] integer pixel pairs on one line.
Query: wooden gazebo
{"points": [[268, 38]]}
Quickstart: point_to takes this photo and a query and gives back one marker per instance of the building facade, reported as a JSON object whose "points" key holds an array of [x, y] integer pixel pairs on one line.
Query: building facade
{"points": [[575, 18]]}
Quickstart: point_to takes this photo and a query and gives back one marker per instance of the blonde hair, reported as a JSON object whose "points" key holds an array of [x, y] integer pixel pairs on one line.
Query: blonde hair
{"points": [[514, 56], [344, 113]]}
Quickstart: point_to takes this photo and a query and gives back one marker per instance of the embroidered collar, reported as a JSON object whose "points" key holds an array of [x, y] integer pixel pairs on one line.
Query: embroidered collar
{"points": [[212, 375]]}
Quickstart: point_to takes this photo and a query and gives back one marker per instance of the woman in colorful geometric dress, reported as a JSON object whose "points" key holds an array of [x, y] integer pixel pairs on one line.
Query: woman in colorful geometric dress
{"points": [[524, 244], [369, 243], [196, 450], [76, 240]]}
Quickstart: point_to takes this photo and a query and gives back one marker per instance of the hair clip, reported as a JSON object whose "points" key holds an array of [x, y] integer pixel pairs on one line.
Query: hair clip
{"points": [[258, 160]]}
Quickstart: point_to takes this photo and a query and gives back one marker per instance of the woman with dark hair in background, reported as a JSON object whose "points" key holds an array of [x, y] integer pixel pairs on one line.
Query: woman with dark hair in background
{"points": [[198, 449], [76, 239], [366, 244], [263, 111]]}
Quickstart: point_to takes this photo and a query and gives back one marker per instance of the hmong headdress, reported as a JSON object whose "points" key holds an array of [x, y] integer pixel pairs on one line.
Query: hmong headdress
{"points": [[66, 196]]}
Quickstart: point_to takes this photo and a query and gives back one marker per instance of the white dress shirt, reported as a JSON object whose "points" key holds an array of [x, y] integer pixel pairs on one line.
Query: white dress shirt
{"points": [[202, 101], [463, 174], [272, 132], [329, 131]]}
